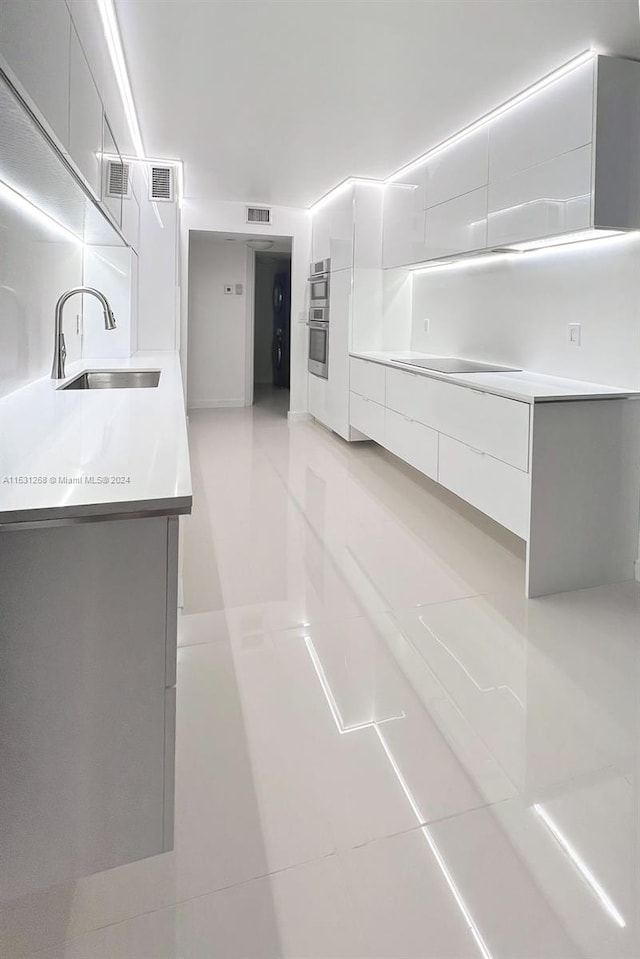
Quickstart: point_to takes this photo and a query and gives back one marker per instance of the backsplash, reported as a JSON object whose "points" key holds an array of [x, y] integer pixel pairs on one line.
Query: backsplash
{"points": [[516, 311], [36, 266]]}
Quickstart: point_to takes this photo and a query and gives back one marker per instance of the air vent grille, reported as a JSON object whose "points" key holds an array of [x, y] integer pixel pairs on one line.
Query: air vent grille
{"points": [[161, 183], [118, 179], [259, 214]]}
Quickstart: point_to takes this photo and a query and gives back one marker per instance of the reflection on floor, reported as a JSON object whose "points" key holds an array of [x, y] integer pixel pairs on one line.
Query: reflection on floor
{"points": [[383, 750]]}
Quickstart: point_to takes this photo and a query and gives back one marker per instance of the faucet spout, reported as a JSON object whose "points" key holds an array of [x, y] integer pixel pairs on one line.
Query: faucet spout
{"points": [[59, 348]]}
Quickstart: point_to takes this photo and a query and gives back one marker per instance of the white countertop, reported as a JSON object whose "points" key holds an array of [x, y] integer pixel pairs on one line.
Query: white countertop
{"points": [[57, 445], [521, 385]]}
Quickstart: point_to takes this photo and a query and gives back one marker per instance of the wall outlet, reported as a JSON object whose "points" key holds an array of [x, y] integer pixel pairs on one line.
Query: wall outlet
{"points": [[426, 324], [574, 334], [238, 289], [228, 289]]}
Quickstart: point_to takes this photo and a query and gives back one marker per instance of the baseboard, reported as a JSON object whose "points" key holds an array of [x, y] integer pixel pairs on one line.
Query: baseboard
{"points": [[214, 404], [298, 416]]}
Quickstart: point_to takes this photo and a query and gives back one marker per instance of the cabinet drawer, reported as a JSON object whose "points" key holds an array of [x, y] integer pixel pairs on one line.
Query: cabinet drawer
{"points": [[496, 489], [367, 379], [367, 416], [412, 395], [492, 424], [489, 423], [411, 441]]}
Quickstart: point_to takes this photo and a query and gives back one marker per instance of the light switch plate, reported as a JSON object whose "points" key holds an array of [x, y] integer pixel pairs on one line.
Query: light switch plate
{"points": [[574, 334]]}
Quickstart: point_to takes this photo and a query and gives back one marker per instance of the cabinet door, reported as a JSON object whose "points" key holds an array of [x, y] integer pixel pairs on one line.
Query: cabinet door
{"points": [[403, 222], [85, 119], [110, 152], [34, 40], [457, 226], [318, 398], [338, 382], [557, 119], [458, 169], [131, 220], [83, 706], [553, 197], [332, 231]]}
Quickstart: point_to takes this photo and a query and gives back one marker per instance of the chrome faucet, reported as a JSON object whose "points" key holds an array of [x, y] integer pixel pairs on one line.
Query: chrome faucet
{"points": [[59, 348]]}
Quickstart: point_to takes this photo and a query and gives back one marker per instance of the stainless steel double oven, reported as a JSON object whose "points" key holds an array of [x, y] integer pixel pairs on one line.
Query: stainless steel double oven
{"points": [[319, 283]]}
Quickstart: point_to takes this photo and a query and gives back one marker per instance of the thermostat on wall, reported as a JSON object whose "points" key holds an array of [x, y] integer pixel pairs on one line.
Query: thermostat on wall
{"points": [[228, 289]]}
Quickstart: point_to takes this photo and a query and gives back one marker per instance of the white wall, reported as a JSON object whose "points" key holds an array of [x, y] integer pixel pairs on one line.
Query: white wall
{"points": [[199, 213], [112, 270], [516, 311], [158, 295], [217, 322], [36, 266]]}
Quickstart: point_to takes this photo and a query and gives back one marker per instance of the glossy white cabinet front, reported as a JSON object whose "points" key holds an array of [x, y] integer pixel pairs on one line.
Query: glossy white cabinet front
{"points": [[457, 226], [460, 168], [34, 39], [332, 232], [496, 489], [557, 119], [85, 119], [552, 197], [403, 223]]}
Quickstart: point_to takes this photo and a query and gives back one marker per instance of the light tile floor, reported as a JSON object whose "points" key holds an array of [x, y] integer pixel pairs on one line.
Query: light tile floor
{"points": [[383, 750]]}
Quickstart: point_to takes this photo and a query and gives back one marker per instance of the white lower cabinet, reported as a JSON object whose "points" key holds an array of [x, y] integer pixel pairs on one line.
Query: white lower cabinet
{"points": [[493, 424], [499, 490], [473, 442], [412, 442], [318, 398], [368, 379], [367, 416]]}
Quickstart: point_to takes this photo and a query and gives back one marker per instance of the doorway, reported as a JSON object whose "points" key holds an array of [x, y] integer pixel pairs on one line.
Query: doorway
{"points": [[272, 327]]}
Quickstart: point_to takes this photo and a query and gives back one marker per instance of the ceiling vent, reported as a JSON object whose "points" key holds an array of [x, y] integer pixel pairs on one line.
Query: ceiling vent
{"points": [[161, 183], [118, 182], [259, 214]]}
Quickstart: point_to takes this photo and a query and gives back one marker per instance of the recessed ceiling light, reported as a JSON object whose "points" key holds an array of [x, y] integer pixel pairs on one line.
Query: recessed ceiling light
{"points": [[260, 244]]}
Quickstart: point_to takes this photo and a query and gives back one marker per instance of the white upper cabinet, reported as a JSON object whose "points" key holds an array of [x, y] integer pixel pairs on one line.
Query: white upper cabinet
{"points": [[555, 120], [563, 159], [460, 168], [332, 231], [404, 221], [550, 198], [457, 226], [85, 119], [34, 41]]}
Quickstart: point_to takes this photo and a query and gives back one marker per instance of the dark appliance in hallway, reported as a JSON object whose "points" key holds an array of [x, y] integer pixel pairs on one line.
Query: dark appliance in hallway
{"points": [[281, 301]]}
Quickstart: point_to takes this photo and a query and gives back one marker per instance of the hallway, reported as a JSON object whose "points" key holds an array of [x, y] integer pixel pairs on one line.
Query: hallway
{"points": [[370, 719]]}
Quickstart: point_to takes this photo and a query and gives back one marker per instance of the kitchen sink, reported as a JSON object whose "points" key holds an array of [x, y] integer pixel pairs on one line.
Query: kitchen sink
{"points": [[113, 380]]}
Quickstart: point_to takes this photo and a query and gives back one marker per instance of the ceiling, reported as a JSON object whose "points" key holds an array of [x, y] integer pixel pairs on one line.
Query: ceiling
{"points": [[279, 244], [276, 101]]}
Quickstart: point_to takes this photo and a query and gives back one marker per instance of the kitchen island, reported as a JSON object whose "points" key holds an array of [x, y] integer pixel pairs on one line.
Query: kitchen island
{"points": [[92, 483]]}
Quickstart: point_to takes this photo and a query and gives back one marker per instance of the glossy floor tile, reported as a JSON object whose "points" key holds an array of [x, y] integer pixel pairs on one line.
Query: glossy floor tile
{"points": [[383, 750]]}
